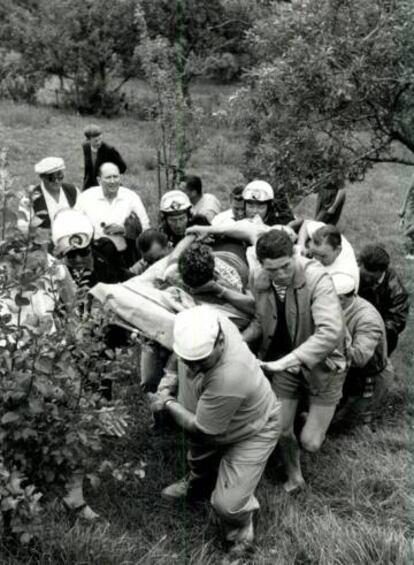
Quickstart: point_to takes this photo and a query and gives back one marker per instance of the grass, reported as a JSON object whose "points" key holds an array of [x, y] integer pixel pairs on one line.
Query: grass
{"points": [[358, 509]]}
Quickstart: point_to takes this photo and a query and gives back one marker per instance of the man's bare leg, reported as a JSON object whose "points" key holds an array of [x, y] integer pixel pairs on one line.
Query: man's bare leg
{"points": [[289, 447], [317, 424]]}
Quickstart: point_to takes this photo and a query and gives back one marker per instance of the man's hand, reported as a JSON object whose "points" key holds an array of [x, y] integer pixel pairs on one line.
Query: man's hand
{"points": [[157, 401], [211, 287], [199, 231], [114, 229], [289, 363]]}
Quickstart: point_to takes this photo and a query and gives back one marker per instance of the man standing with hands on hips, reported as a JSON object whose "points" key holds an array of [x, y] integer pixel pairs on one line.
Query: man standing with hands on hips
{"points": [[230, 412]]}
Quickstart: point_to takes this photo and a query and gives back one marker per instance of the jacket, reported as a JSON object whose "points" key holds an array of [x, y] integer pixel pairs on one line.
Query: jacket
{"points": [[391, 300], [369, 343], [39, 206], [314, 318], [105, 154]]}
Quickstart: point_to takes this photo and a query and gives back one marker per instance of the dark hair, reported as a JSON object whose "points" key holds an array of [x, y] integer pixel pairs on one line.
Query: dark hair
{"points": [[237, 192], [374, 257], [199, 220], [196, 265], [193, 182], [146, 239], [328, 233], [273, 245]]}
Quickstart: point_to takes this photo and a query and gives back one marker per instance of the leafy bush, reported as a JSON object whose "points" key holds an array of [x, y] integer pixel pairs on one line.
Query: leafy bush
{"points": [[52, 415]]}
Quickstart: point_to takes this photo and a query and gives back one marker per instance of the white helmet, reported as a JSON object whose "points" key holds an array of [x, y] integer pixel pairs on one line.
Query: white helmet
{"points": [[175, 201], [71, 229], [258, 190]]}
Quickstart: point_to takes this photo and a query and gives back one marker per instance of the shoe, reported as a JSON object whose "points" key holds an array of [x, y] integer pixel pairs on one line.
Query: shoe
{"points": [[82, 512], [177, 490]]}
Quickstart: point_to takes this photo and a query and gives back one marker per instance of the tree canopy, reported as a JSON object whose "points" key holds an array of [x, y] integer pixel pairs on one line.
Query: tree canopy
{"points": [[331, 90]]}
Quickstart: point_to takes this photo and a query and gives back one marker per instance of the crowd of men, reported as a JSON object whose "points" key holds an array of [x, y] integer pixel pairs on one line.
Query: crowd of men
{"points": [[315, 329]]}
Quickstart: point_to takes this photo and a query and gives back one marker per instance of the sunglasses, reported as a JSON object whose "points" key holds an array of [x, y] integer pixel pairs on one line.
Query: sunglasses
{"points": [[81, 252], [53, 177]]}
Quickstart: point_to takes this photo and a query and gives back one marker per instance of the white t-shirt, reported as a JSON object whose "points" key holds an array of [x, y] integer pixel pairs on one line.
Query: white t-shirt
{"points": [[103, 212], [208, 205], [346, 262]]}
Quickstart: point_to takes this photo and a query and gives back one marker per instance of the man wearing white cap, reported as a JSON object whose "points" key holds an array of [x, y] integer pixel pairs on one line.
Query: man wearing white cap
{"points": [[230, 411], [72, 236], [52, 194], [259, 198], [370, 371]]}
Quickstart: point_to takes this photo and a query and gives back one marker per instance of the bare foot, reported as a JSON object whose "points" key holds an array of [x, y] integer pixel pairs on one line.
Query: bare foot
{"points": [[294, 485]]}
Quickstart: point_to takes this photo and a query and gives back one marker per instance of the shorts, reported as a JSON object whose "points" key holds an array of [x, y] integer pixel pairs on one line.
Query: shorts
{"points": [[325, 391]]}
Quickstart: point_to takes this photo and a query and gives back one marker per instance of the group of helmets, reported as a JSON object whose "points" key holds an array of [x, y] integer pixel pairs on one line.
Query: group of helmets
{"points": [[177, 201]]}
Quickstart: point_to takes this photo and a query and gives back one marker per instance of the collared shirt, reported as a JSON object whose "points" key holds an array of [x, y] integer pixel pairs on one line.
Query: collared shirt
{"points": [[52, 205], [208, 206], [346, 262], [103, 212]]}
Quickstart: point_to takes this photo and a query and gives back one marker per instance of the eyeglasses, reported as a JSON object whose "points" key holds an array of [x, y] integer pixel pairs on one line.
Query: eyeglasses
{"points": [[53, 177], [81, 252]]}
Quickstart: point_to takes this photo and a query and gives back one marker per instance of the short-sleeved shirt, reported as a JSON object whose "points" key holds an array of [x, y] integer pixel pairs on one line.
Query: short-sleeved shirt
{"points": [[233, 400], [208, 206]]}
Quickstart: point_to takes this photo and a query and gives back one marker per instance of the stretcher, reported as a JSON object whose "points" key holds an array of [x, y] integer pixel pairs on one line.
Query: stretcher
{"points": [[139, 305]]}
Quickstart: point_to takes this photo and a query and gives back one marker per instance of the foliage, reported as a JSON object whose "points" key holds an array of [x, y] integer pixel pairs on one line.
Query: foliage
{"points": [[89, 45], [52, 359], [177, 123], [205, 37], [331, 90]]}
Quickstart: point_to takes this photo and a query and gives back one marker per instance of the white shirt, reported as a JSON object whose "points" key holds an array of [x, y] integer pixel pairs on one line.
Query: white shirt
{"points": [[226, 217], [346, 262], [103, 212], [52, 205], [208, 205]]}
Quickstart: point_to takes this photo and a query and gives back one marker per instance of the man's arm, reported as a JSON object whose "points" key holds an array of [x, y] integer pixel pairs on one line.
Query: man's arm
{"points": [[116, 156], [339, 201], [365, 342], [395, 317], [139, 209], [243, 302], [243, 231], [328, 321]]}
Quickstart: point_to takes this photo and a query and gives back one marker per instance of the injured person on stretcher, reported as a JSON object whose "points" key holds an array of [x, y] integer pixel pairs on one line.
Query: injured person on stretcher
{"points": [[193, 274]]}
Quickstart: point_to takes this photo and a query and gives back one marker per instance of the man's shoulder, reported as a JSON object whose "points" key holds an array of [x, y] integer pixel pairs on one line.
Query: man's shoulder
{"points": [[90, 194], [364, 310], [311, 270], [128, 192]]}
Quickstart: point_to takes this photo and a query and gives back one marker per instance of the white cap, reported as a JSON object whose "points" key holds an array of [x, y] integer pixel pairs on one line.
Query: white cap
{"points": [[49, 165], [195, 332], [175, 201], [344, 283], [259, 190], [71, 229], [313, 226]]}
